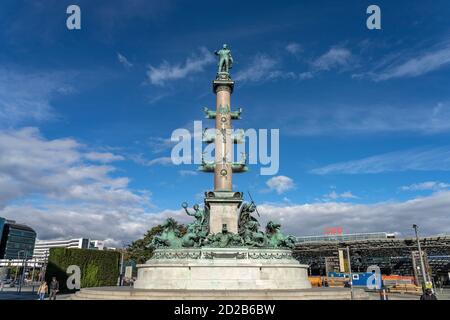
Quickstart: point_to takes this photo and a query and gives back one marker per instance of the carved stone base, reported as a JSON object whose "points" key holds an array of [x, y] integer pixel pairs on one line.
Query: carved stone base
{"points": [[223, 209], [222, 269]]}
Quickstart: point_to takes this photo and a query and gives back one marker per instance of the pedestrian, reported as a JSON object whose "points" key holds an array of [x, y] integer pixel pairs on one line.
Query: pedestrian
{"points": [[43, 290], [383, 294], [428, 295], [54, 288]]}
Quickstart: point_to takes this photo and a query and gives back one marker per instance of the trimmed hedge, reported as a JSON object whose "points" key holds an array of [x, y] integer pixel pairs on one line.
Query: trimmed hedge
{"points": [[98, 268]]}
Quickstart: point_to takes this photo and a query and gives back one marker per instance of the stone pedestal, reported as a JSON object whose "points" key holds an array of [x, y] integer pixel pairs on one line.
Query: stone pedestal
{"points": [[222, 269], [223, 209]]}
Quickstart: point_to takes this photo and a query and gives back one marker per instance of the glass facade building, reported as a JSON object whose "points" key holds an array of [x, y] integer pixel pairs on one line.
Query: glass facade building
{"points": [[17, 240], [2, 224]]}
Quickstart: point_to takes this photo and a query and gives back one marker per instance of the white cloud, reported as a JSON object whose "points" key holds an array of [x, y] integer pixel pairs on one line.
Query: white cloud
{"points": [[27, 96], [280, 184], [263, 68], [139, 159], [158, 144], [313, 218], [188, 173], [124, 224], [60, 190], [334, 58], [194, 64], [413, 159], [306, 75], [428, 185], [119, 224], [124, 61], [333, 195], [294, 48], [104, 157], [331, 119], [49, 185], [348, 195], [56, 169], [259, 69], [432, 60]]}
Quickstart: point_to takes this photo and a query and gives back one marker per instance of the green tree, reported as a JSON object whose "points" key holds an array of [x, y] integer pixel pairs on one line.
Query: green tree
{"points": [[140, 251]]}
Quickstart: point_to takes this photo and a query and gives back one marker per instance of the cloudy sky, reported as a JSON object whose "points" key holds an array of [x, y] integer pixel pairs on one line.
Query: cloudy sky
{"points": [[86, 116]]}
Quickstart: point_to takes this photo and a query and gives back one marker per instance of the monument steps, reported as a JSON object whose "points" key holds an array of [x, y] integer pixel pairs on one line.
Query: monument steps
{"points": [[121, 293]]}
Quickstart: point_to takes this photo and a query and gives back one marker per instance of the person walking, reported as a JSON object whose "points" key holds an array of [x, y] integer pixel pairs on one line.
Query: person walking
{"points": [[43, 290], [54, 288], [428, 295]]}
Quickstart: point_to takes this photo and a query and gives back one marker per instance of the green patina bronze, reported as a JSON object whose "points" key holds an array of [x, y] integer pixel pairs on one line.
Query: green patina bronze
{"points": [[206, 166], [224, 239], [224, 110], [236, 115], [210, 114], [249, 227], [240, 166], [225, 59], [197, 232], [276, 239], [169, 237], [198, 236]]}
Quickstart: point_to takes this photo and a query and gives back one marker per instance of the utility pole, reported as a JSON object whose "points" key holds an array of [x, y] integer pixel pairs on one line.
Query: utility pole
{"points": [[121, 268], [17, 267], [44, 266], [32, 274], [350, 272], [422, 264]]}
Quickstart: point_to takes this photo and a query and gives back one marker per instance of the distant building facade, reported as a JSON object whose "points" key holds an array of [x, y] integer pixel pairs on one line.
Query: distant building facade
{"points": [[42, 247], [16, 240], [2, 224], [393, 255], [345, 237]]}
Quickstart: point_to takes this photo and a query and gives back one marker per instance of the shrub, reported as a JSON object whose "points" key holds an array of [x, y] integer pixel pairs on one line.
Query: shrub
{"points": [[98, 268]]}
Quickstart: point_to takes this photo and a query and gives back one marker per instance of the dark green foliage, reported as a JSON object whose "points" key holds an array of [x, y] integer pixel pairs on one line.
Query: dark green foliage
{"points": [[139, 250], [98, 268]]}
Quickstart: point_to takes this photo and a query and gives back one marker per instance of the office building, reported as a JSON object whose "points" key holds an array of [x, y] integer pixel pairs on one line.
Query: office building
{"points": [[17, 240]]}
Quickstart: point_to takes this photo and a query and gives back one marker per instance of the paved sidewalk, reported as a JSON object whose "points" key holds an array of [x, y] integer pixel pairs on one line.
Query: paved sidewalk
{"points": [[26, 294], [441, 295]]}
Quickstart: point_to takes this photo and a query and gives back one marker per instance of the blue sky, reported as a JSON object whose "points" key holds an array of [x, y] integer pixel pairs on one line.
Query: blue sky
{"points": [[85, 115]]}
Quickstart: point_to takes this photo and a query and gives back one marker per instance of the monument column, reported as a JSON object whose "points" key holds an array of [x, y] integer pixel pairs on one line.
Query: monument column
{"points": [[223, 203], [223, 173]]}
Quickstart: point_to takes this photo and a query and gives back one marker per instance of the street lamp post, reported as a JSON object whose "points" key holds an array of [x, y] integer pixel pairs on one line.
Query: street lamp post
{"points": [[422, 264], [17, 267], [24, 264]]}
